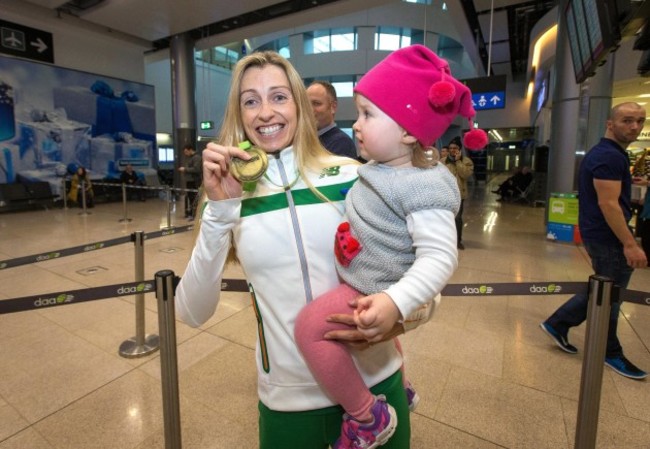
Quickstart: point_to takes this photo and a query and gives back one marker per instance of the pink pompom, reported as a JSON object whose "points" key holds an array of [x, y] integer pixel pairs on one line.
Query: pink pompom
{"points": [[441, 93], [475, 140]]}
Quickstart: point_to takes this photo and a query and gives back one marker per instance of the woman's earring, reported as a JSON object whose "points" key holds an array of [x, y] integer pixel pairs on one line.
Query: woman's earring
{"points": [[428, 154]]}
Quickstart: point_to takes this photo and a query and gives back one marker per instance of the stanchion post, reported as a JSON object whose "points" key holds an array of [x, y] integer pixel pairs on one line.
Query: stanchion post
{"points": [[124, 218], [84, 211], [169, 207], [141, 344], [168, 360], [64, 193], [591, 380]]}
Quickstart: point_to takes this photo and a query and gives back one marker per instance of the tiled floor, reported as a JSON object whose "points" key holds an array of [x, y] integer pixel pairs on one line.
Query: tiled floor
{"points": [[488, 377]]}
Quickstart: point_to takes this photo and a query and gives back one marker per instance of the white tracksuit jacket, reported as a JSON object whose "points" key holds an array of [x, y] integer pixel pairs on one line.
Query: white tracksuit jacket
{"points": [[285, 244]]}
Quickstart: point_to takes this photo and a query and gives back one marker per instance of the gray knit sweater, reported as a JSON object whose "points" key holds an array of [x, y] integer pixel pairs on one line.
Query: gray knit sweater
{"points": [[377, 206]]}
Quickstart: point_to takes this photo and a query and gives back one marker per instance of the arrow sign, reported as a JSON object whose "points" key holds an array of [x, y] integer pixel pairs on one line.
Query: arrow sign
{"points": [[40, 45], [25, 42], [489, 100]]}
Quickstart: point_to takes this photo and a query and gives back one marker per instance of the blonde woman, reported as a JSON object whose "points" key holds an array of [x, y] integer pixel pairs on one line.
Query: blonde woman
{"points": [[281, 229]]}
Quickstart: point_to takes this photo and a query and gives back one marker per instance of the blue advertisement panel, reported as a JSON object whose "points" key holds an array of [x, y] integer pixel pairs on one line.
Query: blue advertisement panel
{"points": [[54, 119]]}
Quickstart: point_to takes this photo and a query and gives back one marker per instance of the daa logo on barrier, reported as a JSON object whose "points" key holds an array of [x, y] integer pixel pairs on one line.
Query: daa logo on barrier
{"points": [[481, 290], [545, 289], [140, 288], [50, 256], [93, 247], [60, 299]]}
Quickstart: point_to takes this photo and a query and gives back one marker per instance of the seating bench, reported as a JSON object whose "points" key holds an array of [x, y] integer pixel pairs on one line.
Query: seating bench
{"points": [[16, 196]]}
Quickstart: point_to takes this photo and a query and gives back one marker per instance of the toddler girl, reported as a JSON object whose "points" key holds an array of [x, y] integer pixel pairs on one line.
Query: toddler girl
{"points": [[397, 248]]}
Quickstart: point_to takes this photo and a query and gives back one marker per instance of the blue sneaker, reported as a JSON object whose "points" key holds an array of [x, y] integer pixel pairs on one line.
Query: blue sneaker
{"points": [[357, 435], [625, 368], [558, 339]]}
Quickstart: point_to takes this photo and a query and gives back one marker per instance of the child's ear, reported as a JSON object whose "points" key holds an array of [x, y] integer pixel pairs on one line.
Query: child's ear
{"points": [[408, 139]]}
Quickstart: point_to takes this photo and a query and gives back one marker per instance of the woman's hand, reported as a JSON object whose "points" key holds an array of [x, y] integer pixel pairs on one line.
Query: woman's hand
{"points": [[356, 338], [218, 183], [351, 337]]}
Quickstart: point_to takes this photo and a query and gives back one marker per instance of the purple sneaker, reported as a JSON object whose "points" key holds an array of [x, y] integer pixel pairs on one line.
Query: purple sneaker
{"points": [[412, 397], [356, 435]]}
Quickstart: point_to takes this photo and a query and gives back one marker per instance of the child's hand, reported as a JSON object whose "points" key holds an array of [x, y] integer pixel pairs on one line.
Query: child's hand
{"points": [[375, 316]]}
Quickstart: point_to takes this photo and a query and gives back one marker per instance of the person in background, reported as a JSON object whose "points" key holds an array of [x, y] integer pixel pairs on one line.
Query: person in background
{"points": [[604, 212], [285, 249], [640, 172], [131, 178], [444, 153], [324, 102], [81, 179], [388, 253], [643, 217], [192, 170], [515, 184], [642, 164], [462, 168]]}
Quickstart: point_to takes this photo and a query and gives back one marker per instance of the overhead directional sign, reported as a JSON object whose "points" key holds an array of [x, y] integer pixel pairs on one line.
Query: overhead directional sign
{"points": [[488, 92], [24, 42], [489, 100]]}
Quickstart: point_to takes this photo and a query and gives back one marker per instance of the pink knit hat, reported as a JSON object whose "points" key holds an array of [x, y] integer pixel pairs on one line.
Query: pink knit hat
{"points": [[415, 88]]}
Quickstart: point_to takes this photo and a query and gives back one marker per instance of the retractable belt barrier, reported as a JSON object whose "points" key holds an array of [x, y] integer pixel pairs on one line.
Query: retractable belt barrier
{"points": [[128, 186], [240, 285], [42, 257], [540, 289], [123, 186]]}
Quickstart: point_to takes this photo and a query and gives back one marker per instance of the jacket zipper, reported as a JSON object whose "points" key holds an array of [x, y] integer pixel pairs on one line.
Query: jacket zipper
{"points": [[304, 268]]}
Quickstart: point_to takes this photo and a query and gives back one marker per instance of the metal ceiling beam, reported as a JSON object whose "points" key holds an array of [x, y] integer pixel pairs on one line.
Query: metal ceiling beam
{"points": [[522, 17], [79, 7]]}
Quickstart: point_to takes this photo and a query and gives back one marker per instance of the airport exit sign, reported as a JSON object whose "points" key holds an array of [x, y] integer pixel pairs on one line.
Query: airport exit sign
{"points": [[207, 124]]}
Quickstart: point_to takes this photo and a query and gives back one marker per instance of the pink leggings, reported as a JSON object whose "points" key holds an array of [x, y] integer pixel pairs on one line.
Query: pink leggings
{"points": [[330, 361]]}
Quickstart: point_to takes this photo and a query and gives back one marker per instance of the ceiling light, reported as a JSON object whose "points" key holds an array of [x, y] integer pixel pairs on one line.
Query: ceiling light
{"points": [[496, 135]]}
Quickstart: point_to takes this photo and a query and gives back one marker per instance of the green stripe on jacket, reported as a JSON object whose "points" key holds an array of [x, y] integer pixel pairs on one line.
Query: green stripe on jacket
{"points": [[301, 197]]}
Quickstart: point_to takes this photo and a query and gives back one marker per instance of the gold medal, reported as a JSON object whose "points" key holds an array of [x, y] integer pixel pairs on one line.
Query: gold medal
{"points": [[252, 169]]}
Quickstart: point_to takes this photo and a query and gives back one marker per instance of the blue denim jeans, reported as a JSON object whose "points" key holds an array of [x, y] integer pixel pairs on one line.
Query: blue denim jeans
{"points": [[606, 260]]}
